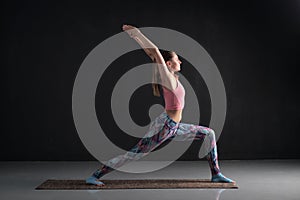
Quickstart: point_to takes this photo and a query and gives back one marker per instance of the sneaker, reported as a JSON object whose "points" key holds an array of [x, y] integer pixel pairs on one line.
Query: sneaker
{"points": [[94, 181], [221, 178]]}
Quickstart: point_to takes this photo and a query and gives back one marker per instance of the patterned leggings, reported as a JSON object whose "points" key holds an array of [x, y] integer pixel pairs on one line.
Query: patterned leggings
{"points": [[161, 129]]}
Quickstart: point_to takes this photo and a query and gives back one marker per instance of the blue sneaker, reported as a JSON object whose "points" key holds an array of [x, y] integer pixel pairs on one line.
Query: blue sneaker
{"points": [[221, 178], [94, 181]]}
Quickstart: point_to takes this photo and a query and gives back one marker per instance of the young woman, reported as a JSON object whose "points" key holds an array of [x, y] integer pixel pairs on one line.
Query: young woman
{"points": [[168, 124]]}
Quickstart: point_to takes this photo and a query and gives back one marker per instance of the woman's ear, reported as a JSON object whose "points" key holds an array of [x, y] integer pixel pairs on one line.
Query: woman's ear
{"points": [[168, 63]]}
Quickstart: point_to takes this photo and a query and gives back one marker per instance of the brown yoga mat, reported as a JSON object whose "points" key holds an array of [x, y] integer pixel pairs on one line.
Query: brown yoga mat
{"points": [[52, 184]]}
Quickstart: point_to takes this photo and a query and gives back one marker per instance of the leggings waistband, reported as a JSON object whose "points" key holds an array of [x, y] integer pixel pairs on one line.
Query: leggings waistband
{"points": [[169, 121]]}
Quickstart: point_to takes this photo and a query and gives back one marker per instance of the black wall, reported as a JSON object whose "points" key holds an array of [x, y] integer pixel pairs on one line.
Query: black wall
{"points": [[255, 46]]}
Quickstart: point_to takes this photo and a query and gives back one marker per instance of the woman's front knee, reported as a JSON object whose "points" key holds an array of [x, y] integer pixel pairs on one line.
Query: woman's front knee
{"points": [[211, 132]]}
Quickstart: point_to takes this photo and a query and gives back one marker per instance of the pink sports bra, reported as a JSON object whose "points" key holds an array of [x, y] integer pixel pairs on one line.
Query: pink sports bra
{"points": [[174, 100]]}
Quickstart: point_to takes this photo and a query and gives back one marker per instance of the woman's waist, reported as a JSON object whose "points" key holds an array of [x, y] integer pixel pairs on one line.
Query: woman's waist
{"points": [[175, 115]]}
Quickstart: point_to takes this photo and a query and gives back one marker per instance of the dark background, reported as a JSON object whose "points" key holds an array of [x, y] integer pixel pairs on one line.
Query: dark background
{"points": [[254, 44]]}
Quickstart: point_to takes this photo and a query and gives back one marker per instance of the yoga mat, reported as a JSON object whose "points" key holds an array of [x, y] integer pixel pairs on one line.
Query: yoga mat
{"points": [[53, 184]]}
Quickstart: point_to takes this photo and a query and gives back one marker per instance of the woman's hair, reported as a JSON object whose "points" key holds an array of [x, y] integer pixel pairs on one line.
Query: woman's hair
{"points": [[156, 79]]}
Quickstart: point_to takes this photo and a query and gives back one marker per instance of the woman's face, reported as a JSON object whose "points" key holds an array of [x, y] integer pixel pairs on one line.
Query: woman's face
{"points": [[174, 63]]}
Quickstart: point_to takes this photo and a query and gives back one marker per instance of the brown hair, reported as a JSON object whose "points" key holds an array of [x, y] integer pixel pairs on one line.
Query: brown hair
{"points": [[156, 79]]}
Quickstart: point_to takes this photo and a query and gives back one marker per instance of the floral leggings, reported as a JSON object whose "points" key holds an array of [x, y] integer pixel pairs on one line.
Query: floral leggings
{"points": [[161, 129]]}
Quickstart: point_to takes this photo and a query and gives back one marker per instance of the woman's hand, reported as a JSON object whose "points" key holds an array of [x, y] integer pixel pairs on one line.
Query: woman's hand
{"points": [[131, 30]]}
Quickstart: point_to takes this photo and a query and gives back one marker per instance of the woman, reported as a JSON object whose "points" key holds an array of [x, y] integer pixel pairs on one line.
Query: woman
{"points": [[167, 125]]}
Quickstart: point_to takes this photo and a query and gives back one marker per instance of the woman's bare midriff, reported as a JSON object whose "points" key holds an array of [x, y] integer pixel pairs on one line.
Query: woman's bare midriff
{"points": [[175, 115]]}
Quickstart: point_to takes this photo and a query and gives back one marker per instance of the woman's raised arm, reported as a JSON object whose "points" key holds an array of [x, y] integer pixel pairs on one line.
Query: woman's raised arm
{"points": [[153, 52]]}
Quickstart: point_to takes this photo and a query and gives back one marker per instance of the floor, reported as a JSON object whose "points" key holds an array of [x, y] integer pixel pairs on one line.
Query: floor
{"points": [[257, 179]]}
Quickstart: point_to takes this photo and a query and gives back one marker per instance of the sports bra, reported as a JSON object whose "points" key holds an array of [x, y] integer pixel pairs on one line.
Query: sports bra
{"points": [[174, 99]]}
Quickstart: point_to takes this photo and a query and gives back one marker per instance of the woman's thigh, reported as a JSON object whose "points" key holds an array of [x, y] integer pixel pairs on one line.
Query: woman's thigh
{"points": [[187, 132], [206, 135]]}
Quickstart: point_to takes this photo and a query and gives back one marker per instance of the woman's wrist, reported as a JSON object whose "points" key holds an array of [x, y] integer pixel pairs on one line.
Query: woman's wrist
{"points": [[132, 31], [135, 32]]}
